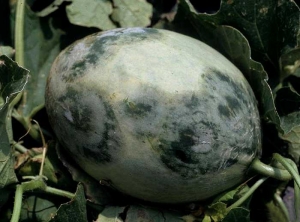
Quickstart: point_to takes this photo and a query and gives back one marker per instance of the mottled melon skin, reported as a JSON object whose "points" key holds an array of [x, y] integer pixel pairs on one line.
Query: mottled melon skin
{"points": [[162, 116]]}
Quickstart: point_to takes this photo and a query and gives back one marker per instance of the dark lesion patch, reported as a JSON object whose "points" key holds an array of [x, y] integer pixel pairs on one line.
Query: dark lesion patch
{"points": [[192, 102], [233, 103], [224, 111], [122, 37], [75, 71], [96, 153], [180, 158], [79, 114], [181, 148], [80, 67], [81, 118], [184, 156], [137, 109], [110, 140], [99, 47], [237, 89], [132, 35]]}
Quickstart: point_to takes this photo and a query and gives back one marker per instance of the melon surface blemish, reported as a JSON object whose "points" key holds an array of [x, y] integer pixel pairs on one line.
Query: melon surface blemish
{"points": [[162, 116]]}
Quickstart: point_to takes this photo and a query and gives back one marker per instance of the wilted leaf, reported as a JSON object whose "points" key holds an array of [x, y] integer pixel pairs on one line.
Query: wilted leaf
{"points": [[91, 13], [73, 211], [237, 215], [51, 8], [12, 81], [42, 45], [7, 50], [132, 13], [111, 214]]}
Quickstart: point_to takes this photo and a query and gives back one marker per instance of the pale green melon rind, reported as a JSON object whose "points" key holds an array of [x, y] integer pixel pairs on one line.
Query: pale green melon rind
{"points": [[182, 127]]}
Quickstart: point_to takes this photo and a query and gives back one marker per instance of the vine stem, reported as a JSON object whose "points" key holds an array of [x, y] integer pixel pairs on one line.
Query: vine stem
{"points": [[269, 171], [288, 167], [280, 203], [17, 204], [34, 184], [20, 59], [19, 147], [240, 201], [21, 188], [19, 32], [19, 53], [59, 192]]}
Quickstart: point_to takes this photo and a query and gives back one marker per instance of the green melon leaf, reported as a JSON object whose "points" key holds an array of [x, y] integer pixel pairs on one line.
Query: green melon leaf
{"points": [[12, 81], [237, 215], [41, 46], [271, 27], [91, 13], [7, 50], [131, 13], [73, 211], [234, 45]]}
